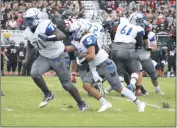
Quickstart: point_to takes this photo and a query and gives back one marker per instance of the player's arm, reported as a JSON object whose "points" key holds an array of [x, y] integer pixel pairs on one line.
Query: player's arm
{"points": [[140, 38], [70, 48], [29, 52], [52, 33], [4, 54]]}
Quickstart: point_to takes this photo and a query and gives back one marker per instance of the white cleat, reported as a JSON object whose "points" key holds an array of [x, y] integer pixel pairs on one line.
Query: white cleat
{"points": [[46, 99], [42, 104], [159, 92], [141, 107], [104, 107]]}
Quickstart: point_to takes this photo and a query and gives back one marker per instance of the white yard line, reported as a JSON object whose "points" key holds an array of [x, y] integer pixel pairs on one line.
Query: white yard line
{"points": [[151, 105], [9, 109]]}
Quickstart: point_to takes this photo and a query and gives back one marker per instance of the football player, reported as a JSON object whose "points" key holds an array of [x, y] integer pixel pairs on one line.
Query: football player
{"points": [[98, 30], [21, 56], [128, 33], [68, 17], [44, 36], [146, 62], [99, 63], [11, 57]]}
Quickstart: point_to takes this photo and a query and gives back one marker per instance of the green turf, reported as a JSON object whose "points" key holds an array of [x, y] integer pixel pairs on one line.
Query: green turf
{"points": [[22, 96]]}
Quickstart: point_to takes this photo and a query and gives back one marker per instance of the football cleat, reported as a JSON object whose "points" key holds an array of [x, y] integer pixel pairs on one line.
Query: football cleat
{"points": [[83, 106], [141, 106], [46, 99], [159, 92], [104, 107]]}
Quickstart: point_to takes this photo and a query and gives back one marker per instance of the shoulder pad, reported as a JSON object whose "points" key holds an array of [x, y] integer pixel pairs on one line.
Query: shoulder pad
{"points": [[89, 40]]}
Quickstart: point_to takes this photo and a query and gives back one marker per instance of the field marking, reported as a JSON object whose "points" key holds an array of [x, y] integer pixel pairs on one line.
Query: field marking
{"points": [[152, 105], [119, 98], [9, 109]]}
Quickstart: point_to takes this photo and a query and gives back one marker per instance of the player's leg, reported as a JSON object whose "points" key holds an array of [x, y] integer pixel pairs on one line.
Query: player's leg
{"points": [[133, 68], [108, 70], [150, 69], [19, 67], [127, 78], [8, 67], [39, 67], [14, 66], [139, 81], [120, 69], [88, 86], [63, 74], [174, 67], [83, 70], [169, 66]]}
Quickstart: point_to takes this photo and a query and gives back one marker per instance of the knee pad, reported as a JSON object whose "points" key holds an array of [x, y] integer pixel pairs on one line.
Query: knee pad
{"points": [[153, 76], [135, 75], [67, 86]]}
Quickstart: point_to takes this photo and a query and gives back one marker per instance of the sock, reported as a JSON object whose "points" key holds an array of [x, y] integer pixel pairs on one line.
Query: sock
{"points": [[137, 101], [75, 94], [103, 101], [129, 94], [133, 81], [42, 85]]}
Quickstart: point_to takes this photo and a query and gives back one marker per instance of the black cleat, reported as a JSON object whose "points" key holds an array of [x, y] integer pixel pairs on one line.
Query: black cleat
{"points": [[83, 106], [46, 99]]}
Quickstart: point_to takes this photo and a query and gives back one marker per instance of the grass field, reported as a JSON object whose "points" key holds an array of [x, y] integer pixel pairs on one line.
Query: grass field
{"points": [[22, 97]]}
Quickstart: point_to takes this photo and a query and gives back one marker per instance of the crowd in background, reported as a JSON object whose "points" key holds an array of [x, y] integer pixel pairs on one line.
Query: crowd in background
{"points": [[161, 14]]}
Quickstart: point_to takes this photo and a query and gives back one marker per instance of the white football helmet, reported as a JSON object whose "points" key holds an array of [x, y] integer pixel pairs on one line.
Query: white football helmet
{"points": [[32, 17], [77, 30], [138, 18]]}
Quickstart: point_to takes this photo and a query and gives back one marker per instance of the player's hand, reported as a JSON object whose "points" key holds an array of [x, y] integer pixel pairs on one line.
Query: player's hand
{"points": [[6, 58], [43, 37]]}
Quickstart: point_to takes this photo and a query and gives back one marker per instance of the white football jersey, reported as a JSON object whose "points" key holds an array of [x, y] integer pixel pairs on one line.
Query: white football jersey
{"points": [[126, 32], [143, 53], [91, 40], [94, 28], [49, 49], [151, 39]]}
